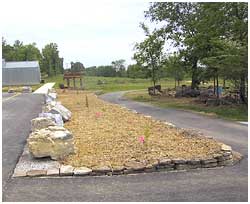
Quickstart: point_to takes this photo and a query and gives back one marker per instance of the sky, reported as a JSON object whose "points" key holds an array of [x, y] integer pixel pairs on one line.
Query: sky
{"points": [[92, 32]]}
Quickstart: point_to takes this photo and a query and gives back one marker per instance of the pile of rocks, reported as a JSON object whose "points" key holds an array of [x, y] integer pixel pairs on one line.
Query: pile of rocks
{"points": [[48, 137]]}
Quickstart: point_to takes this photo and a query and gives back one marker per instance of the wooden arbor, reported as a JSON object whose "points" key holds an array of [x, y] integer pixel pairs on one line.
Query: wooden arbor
{"points": [[73, 76]]}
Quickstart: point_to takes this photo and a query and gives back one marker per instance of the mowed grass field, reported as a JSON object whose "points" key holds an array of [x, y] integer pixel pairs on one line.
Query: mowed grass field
{"points": [[111, 84], [230, 112]]}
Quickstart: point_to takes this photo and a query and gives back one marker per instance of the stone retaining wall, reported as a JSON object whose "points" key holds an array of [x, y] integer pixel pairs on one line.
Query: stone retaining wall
{"points": [[45, 168]]}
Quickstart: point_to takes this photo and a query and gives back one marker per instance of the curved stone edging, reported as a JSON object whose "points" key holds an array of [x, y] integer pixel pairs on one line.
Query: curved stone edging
{"points": [[225, 158]]}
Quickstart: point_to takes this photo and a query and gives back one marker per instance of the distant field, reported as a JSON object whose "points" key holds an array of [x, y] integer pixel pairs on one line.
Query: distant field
{"points": [[115, 83]]}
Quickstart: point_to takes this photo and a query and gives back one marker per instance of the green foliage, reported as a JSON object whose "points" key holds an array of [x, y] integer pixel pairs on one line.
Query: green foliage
{"points": [[149, 54], [137, 71], [77, 67], [236, 112], [49, 60], [211, 34], [119, 66], [174, 67]]}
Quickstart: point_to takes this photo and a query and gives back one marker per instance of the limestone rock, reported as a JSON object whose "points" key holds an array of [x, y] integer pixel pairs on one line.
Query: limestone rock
{"points": [[11, 91], [80, 171], [53, 172], [66, 170], [57, 118], [226, 148], [27, 89], [55, 142], [41, 123], [134, 165], [52, 95], [37, 173], [50, 98], [60, 109]]}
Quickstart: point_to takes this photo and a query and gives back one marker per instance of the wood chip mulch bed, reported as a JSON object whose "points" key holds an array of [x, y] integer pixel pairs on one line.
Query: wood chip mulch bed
{"points": [[112, 138]]}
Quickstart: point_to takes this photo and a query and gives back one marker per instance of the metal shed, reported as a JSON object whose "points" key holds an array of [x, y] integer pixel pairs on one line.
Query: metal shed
{"points": [[21, 73]]}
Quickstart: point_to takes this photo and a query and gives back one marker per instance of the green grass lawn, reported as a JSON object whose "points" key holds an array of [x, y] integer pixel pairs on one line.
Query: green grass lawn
{"points": [[112, 84], [19, 88], [233, 112]]}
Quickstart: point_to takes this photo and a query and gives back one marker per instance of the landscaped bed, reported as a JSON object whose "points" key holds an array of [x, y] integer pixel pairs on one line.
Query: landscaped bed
{"points": [[108, 135]]}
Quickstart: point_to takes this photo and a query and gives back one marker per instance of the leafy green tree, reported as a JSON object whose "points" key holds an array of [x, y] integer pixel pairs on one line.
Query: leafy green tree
{"points": [[174, 68], [136, 71], [77, 67], [119, 66], [149, 54], [229, 24], [51, 61], [180, 25]]}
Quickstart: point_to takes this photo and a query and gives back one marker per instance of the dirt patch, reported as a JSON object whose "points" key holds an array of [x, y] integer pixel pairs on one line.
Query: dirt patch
{"points": [[109, 135]]}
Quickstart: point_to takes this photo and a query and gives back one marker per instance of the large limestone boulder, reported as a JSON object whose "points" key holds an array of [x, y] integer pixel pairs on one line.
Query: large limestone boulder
{"points": [[49, 105], [41, 122], [55, 142], [57, 118], [60, 109]]}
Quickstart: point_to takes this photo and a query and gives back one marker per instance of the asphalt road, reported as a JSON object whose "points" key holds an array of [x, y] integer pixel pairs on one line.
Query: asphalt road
{"points": [[226, 184]]}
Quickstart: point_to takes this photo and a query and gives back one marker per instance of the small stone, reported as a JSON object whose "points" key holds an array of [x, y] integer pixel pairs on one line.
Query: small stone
{"points": [[218, 156], [194, 162], [179, 161], [171, 125], [53, 172], [41, 122], [226, 154], [60, 109], [137, 166], [102, 169], [210, 165], [81, 171], [207, 161], [27, 89], [35, 172], [226, 148], [19, 173], [225, 163], [66, 170], [194, 166], [164, 162], [11, 91], [118, 168], [181, 166]]}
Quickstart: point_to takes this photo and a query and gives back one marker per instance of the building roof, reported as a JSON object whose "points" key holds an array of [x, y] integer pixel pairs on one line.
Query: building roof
{"points": [[23, 64]]}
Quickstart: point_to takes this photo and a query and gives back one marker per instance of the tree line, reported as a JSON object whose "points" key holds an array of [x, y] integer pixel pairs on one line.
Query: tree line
{"points": [[211, 39], [50, 62]]}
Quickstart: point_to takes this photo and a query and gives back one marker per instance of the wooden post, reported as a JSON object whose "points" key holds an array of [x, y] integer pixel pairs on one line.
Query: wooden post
{"points": [[74, 81], [68, 83], [81, 83]]}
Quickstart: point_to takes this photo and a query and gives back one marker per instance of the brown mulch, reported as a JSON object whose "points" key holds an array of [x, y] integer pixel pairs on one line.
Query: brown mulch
{"points": [[108, 135]]}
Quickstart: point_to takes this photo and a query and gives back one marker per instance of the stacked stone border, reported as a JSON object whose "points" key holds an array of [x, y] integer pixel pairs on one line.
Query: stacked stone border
{"points": [[29, 166]]}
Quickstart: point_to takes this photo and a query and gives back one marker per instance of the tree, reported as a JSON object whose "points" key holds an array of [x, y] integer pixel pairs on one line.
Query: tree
{"points": [[149, 54], [119, 66], [136, 71], [180, 22], [77, 67], [51, 61], [229, 23], [174, 68]]}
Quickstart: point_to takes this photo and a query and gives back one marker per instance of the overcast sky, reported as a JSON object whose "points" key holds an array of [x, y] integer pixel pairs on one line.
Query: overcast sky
{"points": [[92, 32]]}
